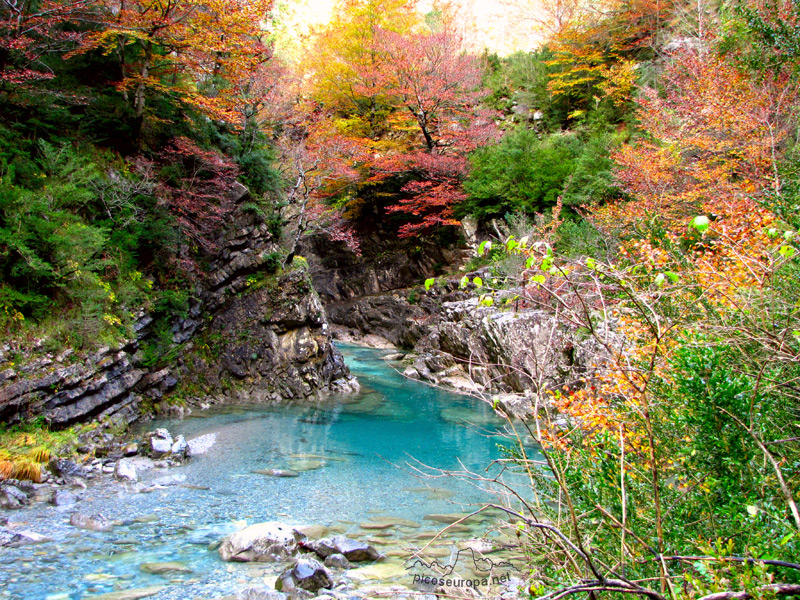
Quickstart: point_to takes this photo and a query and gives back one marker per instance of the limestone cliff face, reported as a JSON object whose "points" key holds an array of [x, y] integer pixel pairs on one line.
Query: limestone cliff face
{"points": [[387, 263], [271, 344], [247, 334]]}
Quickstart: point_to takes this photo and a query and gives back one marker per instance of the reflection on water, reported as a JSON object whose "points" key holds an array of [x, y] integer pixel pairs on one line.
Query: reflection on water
{"points": [[350, 459]]}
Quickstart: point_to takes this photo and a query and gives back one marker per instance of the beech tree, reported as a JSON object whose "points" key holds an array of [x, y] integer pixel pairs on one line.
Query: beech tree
{"points": [[170, 46], [348, 61]]}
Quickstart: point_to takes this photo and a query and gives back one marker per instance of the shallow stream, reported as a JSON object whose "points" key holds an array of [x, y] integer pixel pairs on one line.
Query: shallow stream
{"points": [[355, 458]]}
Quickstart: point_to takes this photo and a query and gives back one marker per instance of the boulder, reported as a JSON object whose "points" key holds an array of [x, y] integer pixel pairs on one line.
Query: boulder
{"points": [[306, 574], [262, 542], [160, 443], [64, 498], [125, 470], [353, 550], [179, 447], [131, 449], [61, 467], [11, 497]]}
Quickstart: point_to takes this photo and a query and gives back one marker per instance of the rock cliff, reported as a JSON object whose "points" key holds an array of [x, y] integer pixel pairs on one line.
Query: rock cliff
{"points": [[248, 332]]}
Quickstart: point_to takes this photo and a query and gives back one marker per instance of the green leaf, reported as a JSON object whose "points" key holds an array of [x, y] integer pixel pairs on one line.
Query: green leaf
{"points": [[785, 539], [591, 263], [485, 247], [700, 223], [787, 251], [464, 282], [486, 300], [673, 277], [530, 261], [659, 280], [511, 245], [478, 282], [772, 233], [547, 263], [429, 283], [538, 279]]}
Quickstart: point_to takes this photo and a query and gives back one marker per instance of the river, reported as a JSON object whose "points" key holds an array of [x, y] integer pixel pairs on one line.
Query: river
{"points": [[358, 461]]}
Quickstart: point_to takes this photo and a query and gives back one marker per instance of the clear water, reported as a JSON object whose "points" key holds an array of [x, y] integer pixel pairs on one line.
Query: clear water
{"points": [[369, 446]]}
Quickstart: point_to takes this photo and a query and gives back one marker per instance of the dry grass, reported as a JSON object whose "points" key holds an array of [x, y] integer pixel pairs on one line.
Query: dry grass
{"points": [[24, 450]]}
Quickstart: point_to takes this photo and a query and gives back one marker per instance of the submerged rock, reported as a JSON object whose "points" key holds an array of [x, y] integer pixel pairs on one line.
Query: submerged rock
{"points": [[277, 472], [262, 542], [254, 593], [64, 498], [306, 574], [12, 539], [134, 594], [201, 444], [93, 523], [162, 568]]}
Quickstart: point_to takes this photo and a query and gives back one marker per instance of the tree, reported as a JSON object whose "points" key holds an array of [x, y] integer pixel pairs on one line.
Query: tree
{"points": [[30, 30], [198, 191], [182, 46], [318, 167], [348, 58], [428, 73]]}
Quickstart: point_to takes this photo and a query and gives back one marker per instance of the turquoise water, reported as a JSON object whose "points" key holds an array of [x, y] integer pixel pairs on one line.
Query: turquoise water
{"points": [[361, 452]]}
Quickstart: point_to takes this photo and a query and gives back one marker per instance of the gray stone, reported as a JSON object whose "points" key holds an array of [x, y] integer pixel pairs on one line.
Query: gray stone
{"points": [[12, 497], [64, 498], [337, 561], [262, 542], [131, 449], [306, 574], [160, 443], [61, 467], [353, 550], [179, 447], [125, 471]]}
